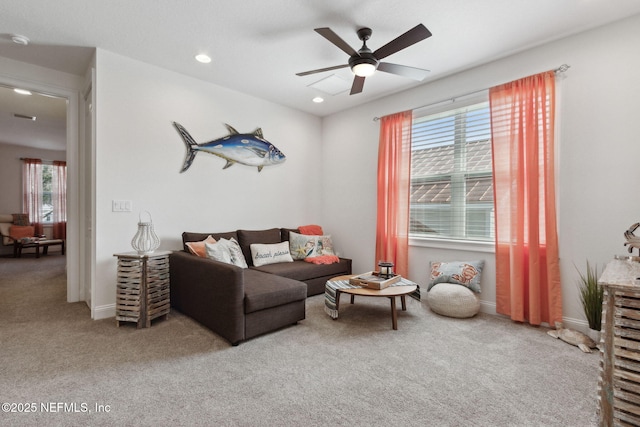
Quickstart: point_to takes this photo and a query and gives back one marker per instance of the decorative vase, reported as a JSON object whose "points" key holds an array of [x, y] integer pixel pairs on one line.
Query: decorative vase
{"points": [[594, 335], [145, 241]]}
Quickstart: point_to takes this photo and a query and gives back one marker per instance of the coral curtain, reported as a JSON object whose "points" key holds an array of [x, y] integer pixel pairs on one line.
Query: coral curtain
{"points": [[394, 176], [527, 262], [32, 192], [59, 199]]}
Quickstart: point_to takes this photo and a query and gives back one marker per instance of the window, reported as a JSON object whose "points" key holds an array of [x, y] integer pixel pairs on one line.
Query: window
{"points": [[47, 199], [451, 176], [45, 191]]}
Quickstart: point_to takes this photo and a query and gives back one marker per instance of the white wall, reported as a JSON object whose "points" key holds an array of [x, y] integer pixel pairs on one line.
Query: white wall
{"points": [[598, 155], [139, 155]]}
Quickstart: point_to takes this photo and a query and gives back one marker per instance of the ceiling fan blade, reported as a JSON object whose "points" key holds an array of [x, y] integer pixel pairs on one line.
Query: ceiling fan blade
{"points": [[320, 70], [358, 84], [402, 70], [414, 35], [328, 34]]}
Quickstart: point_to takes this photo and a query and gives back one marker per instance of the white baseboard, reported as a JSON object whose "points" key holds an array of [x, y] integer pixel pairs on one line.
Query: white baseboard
{"points": [[567, 322], [577, 324], [104, 312], [488, 307]]}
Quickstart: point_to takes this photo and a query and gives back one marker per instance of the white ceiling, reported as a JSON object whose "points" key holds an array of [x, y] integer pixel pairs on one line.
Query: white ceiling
{"points": [[47, 131], [257, 46]]}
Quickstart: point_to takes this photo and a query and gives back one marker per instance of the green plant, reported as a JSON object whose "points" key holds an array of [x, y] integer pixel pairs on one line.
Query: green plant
{"points": [[591, 296]]}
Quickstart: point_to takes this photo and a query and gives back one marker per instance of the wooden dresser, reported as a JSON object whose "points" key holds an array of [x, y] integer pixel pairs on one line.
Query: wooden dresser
{"points": [[619, 382], [142, 292]]}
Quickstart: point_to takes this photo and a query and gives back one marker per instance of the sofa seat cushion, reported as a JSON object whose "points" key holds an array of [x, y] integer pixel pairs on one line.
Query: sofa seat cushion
{"points": [[301, 270], [263, 291]]}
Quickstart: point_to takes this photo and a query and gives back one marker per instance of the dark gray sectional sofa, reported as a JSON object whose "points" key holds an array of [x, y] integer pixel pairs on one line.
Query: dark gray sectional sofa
{"points": [[238, 303]]}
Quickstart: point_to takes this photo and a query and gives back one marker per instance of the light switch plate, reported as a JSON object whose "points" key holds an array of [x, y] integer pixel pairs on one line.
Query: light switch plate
{"points": [[121, 205]]}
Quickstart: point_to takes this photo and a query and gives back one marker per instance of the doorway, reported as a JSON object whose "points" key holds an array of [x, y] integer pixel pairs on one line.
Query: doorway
{"points": [[69, 145]]}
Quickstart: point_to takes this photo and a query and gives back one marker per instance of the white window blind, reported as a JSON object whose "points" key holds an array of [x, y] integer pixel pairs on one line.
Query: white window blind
{"points": [[451, 176]]}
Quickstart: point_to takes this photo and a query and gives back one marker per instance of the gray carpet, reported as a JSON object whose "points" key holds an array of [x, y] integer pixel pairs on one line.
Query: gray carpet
{"points": [[354, 371]]}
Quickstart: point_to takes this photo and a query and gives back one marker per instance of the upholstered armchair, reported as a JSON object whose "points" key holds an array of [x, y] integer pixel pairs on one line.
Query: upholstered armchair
{"points": [[15, 227]]}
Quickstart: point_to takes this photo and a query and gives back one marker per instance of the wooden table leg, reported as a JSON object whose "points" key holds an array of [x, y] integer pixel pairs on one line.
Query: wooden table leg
{"points": [[38, 251], [404, 303], [394, 314], [353, 298]]}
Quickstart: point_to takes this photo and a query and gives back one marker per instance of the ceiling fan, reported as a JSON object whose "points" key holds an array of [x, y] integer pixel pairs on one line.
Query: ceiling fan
{"points": [[364, 63]]}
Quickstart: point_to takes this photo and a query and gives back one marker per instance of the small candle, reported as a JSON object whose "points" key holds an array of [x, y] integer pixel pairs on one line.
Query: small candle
{"points": [[385, 269]]}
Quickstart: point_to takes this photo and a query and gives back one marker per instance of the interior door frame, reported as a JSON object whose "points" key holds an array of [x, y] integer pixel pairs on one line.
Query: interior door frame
{"points": [[74, 291], [86, 154]]}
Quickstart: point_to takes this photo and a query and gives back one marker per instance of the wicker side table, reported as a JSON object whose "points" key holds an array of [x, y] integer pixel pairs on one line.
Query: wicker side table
{"points": [[619, 382], [142, 292]]}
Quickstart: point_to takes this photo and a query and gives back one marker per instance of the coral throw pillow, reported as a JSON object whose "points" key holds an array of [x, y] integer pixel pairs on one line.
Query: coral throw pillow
{"points": [[198, 248], [18, 232]]}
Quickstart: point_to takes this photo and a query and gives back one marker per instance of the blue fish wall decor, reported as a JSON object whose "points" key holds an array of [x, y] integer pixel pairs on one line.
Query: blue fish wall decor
{"points": [[249, 149]]}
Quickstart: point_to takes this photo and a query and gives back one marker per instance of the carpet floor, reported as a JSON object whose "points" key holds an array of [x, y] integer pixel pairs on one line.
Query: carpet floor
{"points": [[59, 367]]}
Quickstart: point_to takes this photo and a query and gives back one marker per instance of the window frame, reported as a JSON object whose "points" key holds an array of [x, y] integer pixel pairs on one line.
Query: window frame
{"points": [[448, 242]]}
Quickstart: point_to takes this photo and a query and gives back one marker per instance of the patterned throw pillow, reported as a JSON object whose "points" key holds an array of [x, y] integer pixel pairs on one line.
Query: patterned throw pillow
{"points": [[20, 219], [218, 251], [466, 273], [237, 258], [302, 246], [227, 251], [325, 246], [264, 254]]}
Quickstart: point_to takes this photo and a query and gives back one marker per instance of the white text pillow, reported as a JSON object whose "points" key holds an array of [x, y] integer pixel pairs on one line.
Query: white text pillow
{"points": [[263, 254]]}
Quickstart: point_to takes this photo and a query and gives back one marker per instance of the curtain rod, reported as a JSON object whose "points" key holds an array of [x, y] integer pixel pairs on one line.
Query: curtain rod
{"points": [[42, 160], [560, 69]]}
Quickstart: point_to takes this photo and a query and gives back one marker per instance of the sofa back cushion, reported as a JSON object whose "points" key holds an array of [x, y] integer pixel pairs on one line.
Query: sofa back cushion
{"points": [[247, 237], [284, 233], [189, 236]]}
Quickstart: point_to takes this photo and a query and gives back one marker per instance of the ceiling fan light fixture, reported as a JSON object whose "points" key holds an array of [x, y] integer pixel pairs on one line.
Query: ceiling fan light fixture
{"points": [[364, 69], [364, 63]]}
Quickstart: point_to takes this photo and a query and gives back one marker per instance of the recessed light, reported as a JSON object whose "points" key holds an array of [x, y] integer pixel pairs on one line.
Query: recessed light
{"points": [[22, 91], [318, 99], [205, 59], [22, 116], [18, 39]]}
